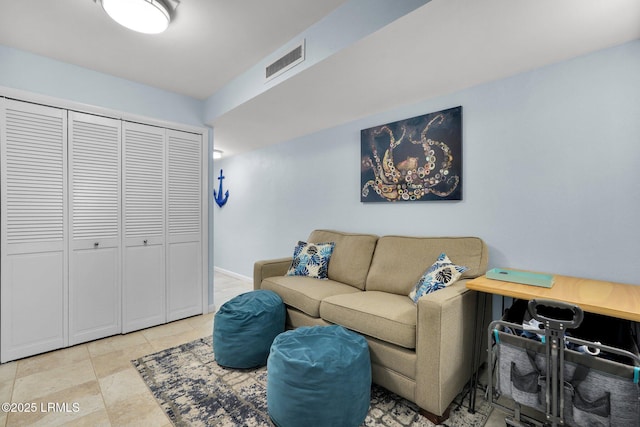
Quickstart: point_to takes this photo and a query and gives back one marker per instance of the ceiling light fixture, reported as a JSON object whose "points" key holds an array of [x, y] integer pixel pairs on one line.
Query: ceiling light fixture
{"points": [[217, 154], [143, 16]]}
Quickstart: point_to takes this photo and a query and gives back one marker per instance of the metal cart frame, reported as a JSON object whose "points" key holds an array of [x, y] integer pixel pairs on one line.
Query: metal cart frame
{"points": [[553, 341]]}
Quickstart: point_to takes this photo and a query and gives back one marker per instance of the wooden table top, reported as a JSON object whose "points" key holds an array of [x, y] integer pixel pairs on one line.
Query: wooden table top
{"points": [[596, 296]]}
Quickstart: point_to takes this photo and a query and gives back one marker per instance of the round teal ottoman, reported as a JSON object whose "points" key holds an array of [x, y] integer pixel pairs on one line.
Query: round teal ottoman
{"points": [[244, 328], [319, 376]]}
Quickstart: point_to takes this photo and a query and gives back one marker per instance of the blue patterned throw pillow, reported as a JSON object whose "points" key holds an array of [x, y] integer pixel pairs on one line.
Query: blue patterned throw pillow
{"points": [[311, 259], [441, 274]]}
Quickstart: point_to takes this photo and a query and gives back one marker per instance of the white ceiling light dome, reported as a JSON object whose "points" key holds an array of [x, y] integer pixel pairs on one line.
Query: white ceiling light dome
{"points": [[143, 16]]}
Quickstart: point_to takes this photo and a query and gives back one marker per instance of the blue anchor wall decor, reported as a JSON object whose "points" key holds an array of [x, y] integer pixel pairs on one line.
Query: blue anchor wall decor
{"points": [[218, 196]]}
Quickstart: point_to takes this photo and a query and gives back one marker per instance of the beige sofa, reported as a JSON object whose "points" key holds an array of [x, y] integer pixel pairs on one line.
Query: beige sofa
{"points": [[420, 351]]}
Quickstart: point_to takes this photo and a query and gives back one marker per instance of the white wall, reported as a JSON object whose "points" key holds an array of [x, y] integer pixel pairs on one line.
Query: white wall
{"points": [[550, 177]]}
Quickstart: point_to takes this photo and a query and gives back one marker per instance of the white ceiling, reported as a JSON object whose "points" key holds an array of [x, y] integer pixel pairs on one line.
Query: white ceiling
{"points": [[442, 47], [208, 43]]}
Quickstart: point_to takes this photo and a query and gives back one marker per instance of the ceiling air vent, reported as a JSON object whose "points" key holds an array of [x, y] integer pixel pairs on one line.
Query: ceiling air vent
{"points": [[286, 62]]}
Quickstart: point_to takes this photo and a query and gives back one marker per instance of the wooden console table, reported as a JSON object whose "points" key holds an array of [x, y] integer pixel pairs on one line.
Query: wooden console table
{"points": [[595, 296]]}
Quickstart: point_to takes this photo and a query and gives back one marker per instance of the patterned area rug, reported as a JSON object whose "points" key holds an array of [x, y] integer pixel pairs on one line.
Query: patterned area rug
{"points": [[194, 390]]}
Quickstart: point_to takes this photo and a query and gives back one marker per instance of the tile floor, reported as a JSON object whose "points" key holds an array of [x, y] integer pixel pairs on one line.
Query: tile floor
{"points": [[95, 384], [97, 380]]}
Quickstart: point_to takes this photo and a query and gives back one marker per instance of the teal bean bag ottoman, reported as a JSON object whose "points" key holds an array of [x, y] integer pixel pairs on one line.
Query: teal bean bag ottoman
{"points": [[319, 376], [244, 328]]}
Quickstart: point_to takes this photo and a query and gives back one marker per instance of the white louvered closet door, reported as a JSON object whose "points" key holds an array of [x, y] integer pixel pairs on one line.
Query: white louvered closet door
{"points": [[94, 263], [184, 248], [144, 293], [33, 229]]}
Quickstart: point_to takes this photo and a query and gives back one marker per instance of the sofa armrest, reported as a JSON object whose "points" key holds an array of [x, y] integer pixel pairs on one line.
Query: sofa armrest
{"points": [[445, 328], [269, 268]]}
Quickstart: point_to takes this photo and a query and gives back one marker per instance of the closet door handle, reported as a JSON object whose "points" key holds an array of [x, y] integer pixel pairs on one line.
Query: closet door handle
{"points": [[96, 244], [145, 241]]}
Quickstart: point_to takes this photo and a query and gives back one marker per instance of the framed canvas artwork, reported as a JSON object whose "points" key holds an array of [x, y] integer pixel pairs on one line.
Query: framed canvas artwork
{"points": [[416, 159]]}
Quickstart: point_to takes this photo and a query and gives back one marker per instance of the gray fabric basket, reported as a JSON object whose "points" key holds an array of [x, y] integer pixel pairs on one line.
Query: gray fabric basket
{"points": [[597, 391]]}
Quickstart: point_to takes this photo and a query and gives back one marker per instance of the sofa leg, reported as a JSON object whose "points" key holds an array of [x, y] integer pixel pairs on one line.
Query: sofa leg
{"points": [[436, 419]]}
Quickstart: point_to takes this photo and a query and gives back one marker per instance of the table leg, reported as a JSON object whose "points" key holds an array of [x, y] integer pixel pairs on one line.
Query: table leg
{"points": [[481, 309]]}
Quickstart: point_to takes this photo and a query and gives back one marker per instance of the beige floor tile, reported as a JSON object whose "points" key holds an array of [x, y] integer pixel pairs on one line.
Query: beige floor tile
{"points": [[137, 410], [54, 359], [8, 370], [204, 320], [222, 281], [47, 382], [204, 330], [62, 407], [115, 343], [6, 389], [173, 328], [116, 361], [175, 340], [122, 386], [7, 377], [95, 419]]}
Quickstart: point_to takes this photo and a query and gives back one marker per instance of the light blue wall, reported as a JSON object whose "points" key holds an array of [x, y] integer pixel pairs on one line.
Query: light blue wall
{"points": [[38, 74], [550, 178]]}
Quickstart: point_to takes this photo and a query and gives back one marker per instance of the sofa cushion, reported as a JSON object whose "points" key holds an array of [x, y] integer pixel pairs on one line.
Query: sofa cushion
{"points": [[382, 315], [305, 293], [399, 262], [351, 256], [311, 259]]}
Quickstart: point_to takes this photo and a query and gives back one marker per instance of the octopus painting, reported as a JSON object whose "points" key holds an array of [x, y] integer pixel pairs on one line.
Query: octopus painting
{"points": [[413, 159]]}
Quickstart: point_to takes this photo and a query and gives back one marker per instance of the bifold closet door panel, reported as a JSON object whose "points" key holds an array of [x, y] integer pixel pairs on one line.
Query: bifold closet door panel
{"points": [[144, 293], [144, 281], [184, 248], [33, 254], [94, 269]]}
